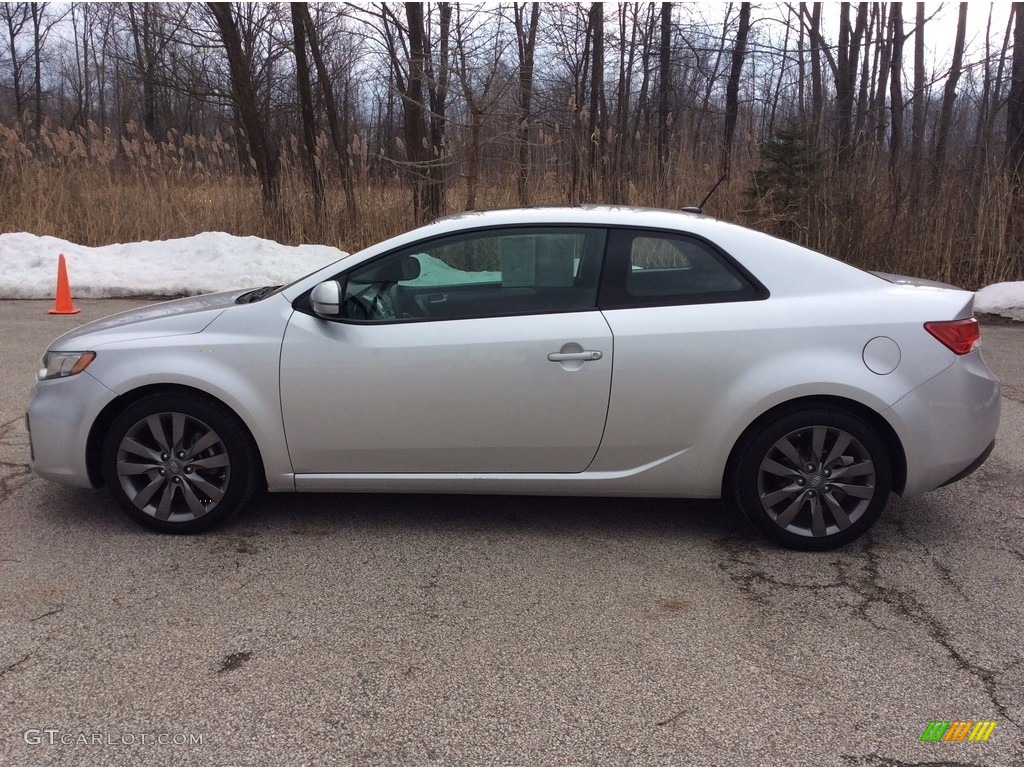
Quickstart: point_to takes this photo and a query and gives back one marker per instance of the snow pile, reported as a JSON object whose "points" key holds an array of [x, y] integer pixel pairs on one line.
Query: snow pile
{"points": [[433, 271], [1005, 299], [212, 261]]}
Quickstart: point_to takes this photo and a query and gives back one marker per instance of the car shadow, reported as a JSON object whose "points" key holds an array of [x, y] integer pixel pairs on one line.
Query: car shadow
{"points": [[552, 515], [76, 511]]}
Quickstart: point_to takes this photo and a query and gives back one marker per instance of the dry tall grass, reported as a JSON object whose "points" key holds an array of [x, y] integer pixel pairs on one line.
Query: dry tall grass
{"points": [[91, 189]]}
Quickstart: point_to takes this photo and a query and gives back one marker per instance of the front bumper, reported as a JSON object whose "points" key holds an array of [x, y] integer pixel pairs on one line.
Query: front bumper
{"points": [[60, 415]]}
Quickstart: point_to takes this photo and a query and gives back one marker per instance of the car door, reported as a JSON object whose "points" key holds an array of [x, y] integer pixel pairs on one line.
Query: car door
{"points": [[477, 353], [685, 317]]}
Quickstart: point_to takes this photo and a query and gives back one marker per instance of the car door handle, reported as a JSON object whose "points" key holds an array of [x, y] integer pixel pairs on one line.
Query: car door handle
{"points": [[587, 354]]}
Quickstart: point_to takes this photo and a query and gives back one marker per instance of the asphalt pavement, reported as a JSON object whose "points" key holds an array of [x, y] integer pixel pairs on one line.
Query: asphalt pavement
{"points": [[387, 629]]}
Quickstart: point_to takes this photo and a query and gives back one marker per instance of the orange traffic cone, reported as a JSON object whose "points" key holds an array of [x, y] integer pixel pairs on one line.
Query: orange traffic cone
{"points": [[63, 304]]}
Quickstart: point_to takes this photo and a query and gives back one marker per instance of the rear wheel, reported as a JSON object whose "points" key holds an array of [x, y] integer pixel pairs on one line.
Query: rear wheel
{"points": [[813, 478], [178, 463]]}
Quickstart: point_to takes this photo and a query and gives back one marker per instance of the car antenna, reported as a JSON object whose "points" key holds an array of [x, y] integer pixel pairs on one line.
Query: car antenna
{"points": [[700, 208]]}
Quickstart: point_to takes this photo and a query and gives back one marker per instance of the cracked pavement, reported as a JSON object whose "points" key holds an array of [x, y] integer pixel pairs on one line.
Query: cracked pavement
{"points": [[389, 629]]}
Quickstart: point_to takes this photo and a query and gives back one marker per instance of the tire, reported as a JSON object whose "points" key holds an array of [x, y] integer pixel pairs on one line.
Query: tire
{"points": [[813, 478], [178, 463]]}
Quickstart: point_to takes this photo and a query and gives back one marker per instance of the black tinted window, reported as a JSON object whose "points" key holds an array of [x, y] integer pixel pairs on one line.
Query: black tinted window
{"points": [[493, 272], [662, 268]]}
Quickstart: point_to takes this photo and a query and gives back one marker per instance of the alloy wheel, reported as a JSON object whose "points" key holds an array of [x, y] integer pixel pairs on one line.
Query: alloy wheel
{"points": [[816, 481], [173, 467]]}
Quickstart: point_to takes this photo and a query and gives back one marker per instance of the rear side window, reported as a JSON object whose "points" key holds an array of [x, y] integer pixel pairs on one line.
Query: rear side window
{"points": [[654, 268]]}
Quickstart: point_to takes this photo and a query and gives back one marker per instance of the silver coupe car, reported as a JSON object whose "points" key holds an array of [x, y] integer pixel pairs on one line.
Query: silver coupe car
{"points": [[604, 351]]}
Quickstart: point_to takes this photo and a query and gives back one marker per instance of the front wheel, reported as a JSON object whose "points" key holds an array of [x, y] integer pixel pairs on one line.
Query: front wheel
{"points": [[178, 463], [813, 478]]}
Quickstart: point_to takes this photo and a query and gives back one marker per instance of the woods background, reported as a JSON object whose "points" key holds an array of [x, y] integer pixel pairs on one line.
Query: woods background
{"points": [[346, 123]]}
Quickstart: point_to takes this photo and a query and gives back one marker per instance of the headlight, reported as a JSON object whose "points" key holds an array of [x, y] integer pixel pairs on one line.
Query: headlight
{"points": [[56, 365]]}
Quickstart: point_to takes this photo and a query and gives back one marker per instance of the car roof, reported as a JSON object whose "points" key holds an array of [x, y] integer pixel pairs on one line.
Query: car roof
{"points": [[580, 214], [714, 229]]}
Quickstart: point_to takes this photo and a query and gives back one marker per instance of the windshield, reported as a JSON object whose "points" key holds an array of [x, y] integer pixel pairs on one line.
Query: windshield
{"points": [[258, 294]]}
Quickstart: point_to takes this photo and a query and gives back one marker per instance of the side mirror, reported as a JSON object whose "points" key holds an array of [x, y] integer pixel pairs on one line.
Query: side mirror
{"points": [[326, 299]]}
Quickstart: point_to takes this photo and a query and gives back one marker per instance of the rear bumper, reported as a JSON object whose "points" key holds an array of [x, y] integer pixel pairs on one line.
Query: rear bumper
{"points": [[972, 466], [947, 425]]}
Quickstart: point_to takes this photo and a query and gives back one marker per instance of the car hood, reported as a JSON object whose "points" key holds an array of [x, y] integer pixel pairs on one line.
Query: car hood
{"points": [[168, 318]]}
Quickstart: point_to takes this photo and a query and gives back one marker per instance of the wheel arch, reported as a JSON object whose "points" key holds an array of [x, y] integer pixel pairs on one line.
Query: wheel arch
{"points": [[98, 431], [897, 456]]}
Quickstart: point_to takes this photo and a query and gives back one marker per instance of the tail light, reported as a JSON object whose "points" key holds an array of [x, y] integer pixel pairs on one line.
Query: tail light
{"points": [[961, 336]]}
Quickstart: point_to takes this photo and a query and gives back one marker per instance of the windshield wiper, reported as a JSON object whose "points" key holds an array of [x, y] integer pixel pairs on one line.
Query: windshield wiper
{"points": [[260, 293]]}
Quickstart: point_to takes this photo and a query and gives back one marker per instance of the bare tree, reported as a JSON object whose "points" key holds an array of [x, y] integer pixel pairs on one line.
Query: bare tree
{"points": [[40, 30], [732, 89], [664, 83], [477, 69], [437, 67], [949, 94], [878, 81], [711, 76], [918, 99], [148, 46], [846, 75], [103, 45], [641, 111], [305, 92], [634, 42], [526, 46], [1015, 102], [1015, 141], [339, 129], [408, 78], [420, 74], [773, 98], [14, 17], [339, 133], [569, 38], [598, 120], [79, 71], [812, 24], [264, 155], [991, 95], [896, 87]]}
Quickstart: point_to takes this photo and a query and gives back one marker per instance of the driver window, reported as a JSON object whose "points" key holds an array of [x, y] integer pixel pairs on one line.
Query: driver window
{"points": [[495, 272]]}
